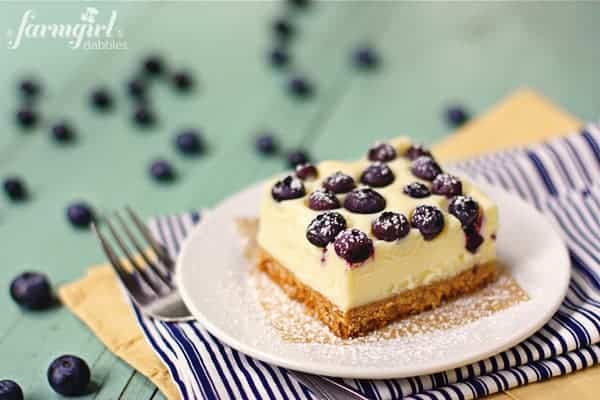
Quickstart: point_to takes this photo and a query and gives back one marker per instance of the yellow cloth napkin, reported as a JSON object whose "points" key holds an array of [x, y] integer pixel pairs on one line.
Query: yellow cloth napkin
{"points": [[524, 117]]}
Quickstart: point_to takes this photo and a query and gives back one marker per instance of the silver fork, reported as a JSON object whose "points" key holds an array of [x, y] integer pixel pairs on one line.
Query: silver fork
{"points": [[149, 282]]}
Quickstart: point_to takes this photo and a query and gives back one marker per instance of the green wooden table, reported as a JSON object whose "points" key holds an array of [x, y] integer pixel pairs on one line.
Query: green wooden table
{"points": [[432, 54]]}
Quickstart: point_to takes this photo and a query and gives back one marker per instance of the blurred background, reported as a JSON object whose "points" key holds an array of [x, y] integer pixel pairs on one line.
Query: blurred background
{"points": [[418, 61]]}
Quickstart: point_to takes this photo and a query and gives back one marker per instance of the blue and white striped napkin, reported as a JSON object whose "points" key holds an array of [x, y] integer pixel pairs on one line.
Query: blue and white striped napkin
{"points": [[560, 177]]}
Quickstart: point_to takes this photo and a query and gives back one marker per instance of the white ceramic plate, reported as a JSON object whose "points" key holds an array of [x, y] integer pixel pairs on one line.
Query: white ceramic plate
{"points": [[212, 276]]}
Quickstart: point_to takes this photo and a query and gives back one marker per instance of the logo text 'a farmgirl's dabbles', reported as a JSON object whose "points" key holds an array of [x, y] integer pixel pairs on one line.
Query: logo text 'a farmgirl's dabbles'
{"points": [[93, 31]]}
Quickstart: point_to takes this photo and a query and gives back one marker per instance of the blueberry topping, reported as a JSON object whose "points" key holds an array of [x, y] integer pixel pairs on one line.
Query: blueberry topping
{"points": [[300, 86], [383, 152], [324, 228], [323, 199], [154, 65], [31, 290], [429, 220], [143, 116], [15, 188], [446, 185], [80, 215], [473, 238], [162, 170], [101, 99], [182, 81], [288, 188], [63, 132], [365, 57], [266, 144], [377, 174], [390, 226], [339, 182], [189, 142], [465, 209], [456, 116], [353, 246], [30, 88], [282, 28], [364, 201], [297, 157], [416, 190], [10, 390], [415, 151], [279, 57], [27, 117], [136, 88], [69, 375], [306, 171], [425, 167]]}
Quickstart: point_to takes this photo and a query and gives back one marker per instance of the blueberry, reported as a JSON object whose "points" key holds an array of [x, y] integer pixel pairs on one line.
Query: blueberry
{"points": [[425, 167], [306, 171], [101, 99], [338, 182], [279, 57], [30, 88], [32, 290], [390, 226], [473, 238], [364, 201], [300, 86], [69, 375], [143, 116], [137, 88], [80, 214], [429, 220], [416, 190], [465, 209], [266, 144], [377, 174], [323, 199], [10, 390], [63, 132], [183, 81], [282, 28], [15, 188], [383, 152], [456, 116], [27, 117], [446, 185], [324, 228], [162, 170], [189, 142], [299, 3], [297, 157], [288, 188], [415, 151], [353, 246], [365, 57], [154, 65]]}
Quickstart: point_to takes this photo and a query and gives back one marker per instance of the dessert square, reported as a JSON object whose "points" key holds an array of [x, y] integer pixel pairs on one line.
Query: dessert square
{"points": [[362, 244]]}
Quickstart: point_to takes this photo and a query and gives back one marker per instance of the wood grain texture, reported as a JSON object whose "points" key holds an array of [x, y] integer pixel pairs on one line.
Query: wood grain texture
{"points": [[432, 53]]}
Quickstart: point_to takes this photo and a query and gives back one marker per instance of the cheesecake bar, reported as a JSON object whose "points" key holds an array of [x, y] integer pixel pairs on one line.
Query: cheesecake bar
{"points": [[365, 243]]}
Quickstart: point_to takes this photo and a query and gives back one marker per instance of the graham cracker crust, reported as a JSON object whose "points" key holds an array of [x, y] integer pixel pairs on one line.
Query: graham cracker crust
{"points": [[364, 319]]}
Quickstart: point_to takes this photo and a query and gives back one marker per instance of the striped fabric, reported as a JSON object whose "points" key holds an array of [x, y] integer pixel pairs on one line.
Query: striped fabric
{"points": [[561, 178]]}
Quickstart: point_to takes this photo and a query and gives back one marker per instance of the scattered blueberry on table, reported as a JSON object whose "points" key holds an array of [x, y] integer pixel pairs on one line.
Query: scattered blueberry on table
{"points": [[30, 88], [353, 245], [189, 142], [63, 132], [154, 65], [10, 390], [300, 86], [390, 226], [144, 116], [137, 88], [27, 117], [279, 57], [297, 157], [15, 188], [299, 3], [456, 115], [162, 170], [266, 144], [365, 57], [182, 81], [69, 375], [323, 229], [32, 290], [101, 99], [80, 214], [283, 28]]}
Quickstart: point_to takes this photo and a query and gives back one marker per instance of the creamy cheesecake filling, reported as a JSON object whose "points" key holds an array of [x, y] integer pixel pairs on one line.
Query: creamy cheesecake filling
{"points": [[395, 266]]}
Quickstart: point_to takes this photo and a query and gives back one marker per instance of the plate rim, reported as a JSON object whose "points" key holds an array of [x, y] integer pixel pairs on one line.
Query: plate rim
{"points": [[351, 372]]}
